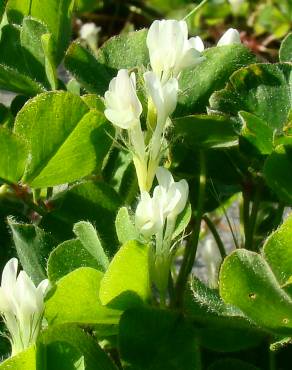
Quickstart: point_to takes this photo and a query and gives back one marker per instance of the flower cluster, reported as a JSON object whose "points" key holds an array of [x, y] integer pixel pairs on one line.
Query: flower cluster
{"points": [[21, 305], [170, 53]]}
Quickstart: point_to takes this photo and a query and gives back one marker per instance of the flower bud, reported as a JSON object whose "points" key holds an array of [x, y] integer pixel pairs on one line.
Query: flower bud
{"points": [[123, 107], [231, 36]]}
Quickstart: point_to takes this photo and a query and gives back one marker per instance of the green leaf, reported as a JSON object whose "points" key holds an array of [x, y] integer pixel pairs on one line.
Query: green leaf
{"points": [[26, 360], [75, 300], [94, 101], [85, 201], [126, 283], [66, 347], [75, 136], [50, 68], [261, 89], [276, 169], [15, 72], [87, 234], [92, 75], [182, 221], [123, 51], [257, 132], [31, 35], [247, 281], [157, 339], [125, 226], [33, 246], [285, 53], [278, 252], [56, 14], [13, 156], [220, 326], [67, 257], [199, 83], [206, 131]]}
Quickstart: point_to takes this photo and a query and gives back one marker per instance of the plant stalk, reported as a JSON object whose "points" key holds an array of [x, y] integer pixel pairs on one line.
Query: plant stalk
{"points": [[249, 236], [195, 10], [192, 245], [216, 235]]}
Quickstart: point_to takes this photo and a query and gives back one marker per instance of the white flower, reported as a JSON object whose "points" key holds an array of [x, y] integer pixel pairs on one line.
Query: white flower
{"points": [[236, 5], [164, 96], [170, 50], [89, 33], [173, 195], [148, 216], [123, 107], [21, 305], [168, 201], [231, 36]]}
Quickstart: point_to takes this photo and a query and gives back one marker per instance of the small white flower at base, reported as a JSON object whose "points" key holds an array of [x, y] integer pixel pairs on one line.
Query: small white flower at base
{"points": [[170, 50], [231, 36], [156, 216], [21, 305], [168, 201], [89, 33], [148, 216], [173, 195], [123, 108]]}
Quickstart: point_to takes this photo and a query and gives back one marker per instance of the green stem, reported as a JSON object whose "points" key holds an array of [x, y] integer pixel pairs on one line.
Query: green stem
{"points": [[195, 10], [30, 5], [192, 245], [272, 360], [249, 237], [216, 236], [50, 192], [245, 213]]}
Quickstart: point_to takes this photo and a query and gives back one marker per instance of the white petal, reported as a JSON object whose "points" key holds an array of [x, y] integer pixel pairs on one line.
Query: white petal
{"points": [[191, 58], [43, 287], [183, 188], [4, 302], [154, 89], [164, 178], [231, 36], [197, 43], [170, 90], [9, 275]]}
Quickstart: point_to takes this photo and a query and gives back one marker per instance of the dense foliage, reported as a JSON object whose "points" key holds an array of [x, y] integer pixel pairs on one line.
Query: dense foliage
{"points": [[112, 178]]}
